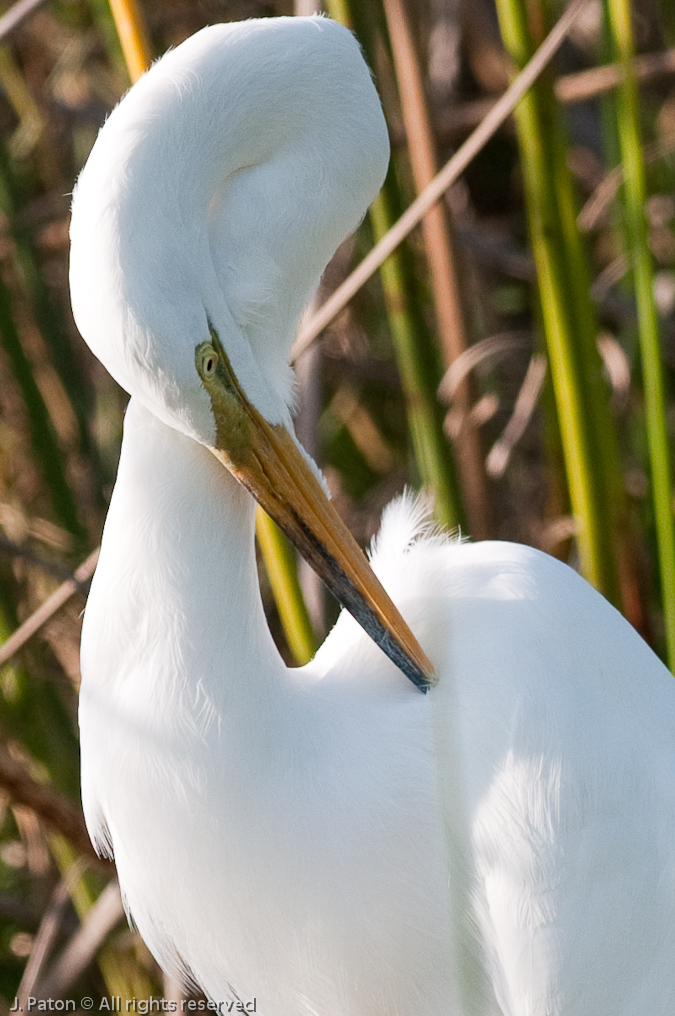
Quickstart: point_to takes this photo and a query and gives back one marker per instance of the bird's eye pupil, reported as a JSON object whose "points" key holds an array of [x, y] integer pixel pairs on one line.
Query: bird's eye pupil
{"points": [[209, 364]]}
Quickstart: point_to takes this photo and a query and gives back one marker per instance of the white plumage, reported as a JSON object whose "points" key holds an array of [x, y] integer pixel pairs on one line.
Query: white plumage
{"points": [[328, 840]]}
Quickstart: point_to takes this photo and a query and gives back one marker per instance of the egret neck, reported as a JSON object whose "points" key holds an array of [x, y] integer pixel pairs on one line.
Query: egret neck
{"points": [[174, 511]]}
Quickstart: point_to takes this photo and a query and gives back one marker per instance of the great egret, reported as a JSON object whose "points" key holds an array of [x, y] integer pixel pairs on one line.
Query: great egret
{"points": [[328, 840]]}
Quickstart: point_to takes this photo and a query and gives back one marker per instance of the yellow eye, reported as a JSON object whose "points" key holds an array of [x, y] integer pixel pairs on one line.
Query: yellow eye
{"points": [[208, 359]]}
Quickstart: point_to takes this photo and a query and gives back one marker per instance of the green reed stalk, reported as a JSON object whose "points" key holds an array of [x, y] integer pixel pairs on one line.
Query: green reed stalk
{"points": [[635, 195], [419, 374], [614, 500], [282, 570], [562, 293]]}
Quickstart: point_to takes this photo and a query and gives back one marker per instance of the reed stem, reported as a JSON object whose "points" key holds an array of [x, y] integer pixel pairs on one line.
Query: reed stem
{"points": [[282, 570], [635, 195], [562, 294], [133, 36], [420, 377]]}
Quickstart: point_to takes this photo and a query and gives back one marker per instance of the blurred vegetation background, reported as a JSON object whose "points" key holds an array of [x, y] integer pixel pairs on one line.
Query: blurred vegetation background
{"points": [[514, 356]]}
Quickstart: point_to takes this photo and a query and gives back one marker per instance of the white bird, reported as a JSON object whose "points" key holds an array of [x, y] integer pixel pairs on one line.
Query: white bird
{"points": [[328, 840]]}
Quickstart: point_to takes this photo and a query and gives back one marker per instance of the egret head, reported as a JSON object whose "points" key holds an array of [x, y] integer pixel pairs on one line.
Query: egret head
{"points": [[214, 197]]}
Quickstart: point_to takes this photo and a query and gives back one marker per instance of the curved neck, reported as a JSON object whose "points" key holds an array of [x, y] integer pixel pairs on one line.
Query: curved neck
{"points": [[186, 631]]}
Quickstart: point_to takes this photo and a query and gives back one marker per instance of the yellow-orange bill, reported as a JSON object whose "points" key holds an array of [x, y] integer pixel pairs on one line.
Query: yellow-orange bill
{"points": [[266, 460]]}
